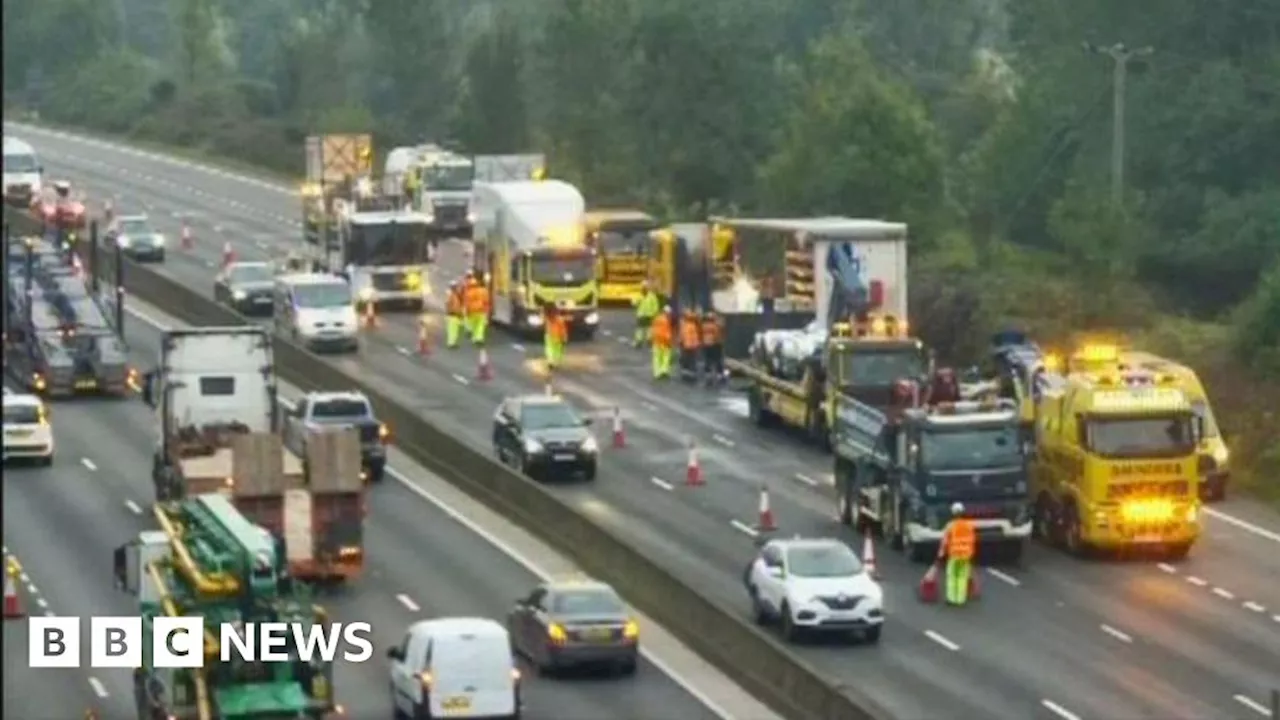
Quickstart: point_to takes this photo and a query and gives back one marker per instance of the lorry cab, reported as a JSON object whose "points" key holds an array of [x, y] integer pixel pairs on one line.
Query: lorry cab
{"points": [[23, 174], [455, 667], [621, 239], [1115, 463], [386, 257], [316, 310]]}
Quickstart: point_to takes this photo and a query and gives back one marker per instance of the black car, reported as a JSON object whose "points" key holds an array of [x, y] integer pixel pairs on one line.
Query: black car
{"points": [[137, 239], [575, 622], [247, 287], [544, 437]]}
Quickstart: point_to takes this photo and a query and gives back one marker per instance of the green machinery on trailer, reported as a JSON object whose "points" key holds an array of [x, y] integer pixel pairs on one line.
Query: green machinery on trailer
{"points": [[207, 560]]}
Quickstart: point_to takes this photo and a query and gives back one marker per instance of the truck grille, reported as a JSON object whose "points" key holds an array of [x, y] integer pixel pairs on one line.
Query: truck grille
{"points": [[838, 602], [451, 214], [389, 282]]}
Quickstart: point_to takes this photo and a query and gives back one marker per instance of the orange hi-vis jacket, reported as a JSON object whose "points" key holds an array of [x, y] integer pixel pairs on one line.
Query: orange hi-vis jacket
{"points": [[710, 331], [557, 328], [477, 300], [662, 330], [689, 337], [960, 539], [453, 304]]}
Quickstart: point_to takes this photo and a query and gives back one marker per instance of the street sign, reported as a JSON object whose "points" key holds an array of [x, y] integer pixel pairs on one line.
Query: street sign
{"points": [[334, 158]]}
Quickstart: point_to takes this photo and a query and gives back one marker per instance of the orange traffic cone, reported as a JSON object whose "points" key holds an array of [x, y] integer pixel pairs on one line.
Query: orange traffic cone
{"points": [[765, 522], [928, 588], [188, 243], [228, 254], [975, 590], [424, 339], [869, 556], [484, 371], [619, 436], [693, 468], [12, 603]]}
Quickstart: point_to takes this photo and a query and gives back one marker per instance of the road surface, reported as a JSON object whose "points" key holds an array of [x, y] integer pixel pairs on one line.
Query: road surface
{"points": [[1059, 638]]}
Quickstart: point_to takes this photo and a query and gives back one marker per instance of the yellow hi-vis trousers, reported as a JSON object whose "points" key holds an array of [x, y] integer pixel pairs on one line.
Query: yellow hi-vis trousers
{"points": [[644, 331], [553, 349], [958, 580], [661, 361], [452, 330], [479, 325]]}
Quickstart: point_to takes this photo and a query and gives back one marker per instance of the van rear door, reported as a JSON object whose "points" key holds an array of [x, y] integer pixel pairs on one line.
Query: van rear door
{"points": [[474, 676]]}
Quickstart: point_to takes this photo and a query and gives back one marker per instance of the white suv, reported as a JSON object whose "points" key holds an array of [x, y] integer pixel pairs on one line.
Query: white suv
{"points": [[814, 585], [27, 433]]}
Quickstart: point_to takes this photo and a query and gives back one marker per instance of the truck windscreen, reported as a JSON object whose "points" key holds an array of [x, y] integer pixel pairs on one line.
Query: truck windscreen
{"points": [[879, 367], [623, 241], [1140, 437], [978, 448], [448, 177], [562, 270], [390, 243]]}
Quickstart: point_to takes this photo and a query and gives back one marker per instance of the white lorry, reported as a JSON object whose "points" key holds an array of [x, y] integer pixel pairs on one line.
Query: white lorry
{"points": [[444, 195]]}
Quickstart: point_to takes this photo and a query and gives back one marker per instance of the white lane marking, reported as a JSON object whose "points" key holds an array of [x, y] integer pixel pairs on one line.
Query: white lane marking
{"points": [[1224, 594], [662, 483], [1243, 524], [744, 528], [44, 604], [1253, 705], [133, 507], [402, 350], [408, 603], [722, 440], [806, 479], [88, 464], [942, 640], [1166, 567], [461, 379], [50, 613], [98, 688], [505, 548], [1276, 618], [1198, 582], [518, 347], [1058, 710], [1255, 607], [25, 578], [1004, 577], [1123, 637], [31, 588], [649, 406]]}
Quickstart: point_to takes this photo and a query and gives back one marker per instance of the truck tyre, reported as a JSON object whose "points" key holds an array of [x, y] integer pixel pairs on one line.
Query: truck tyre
{"points": [[756, 410], [1071, 533], [897, 534], [377, 473], [844, 508], [1044, 524], [1013, 551]]}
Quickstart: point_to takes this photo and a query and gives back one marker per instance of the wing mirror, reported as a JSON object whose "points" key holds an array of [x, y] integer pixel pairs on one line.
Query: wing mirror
{"points": [[394, 654]]}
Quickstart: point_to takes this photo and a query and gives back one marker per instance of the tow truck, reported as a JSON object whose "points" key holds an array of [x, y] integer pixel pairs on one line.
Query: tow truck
{"points": [[621, 239], [898, 472], [214, 390], [209, 561]]}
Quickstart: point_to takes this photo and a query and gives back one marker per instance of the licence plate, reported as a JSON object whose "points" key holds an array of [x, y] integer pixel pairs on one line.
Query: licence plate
{"points": [[598, 634], [86, 384], [455, 703], [262, 300], [563, 457]]}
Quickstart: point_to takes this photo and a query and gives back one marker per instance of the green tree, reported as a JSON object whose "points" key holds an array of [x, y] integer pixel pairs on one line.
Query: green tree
{"points": [[493, 115]]}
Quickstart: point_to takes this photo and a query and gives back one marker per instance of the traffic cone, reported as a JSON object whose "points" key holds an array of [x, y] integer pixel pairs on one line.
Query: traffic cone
{"points": [[187, 242], [869, 556], [975, 590], [765, 523], [484, 371], [228, 254], [927, 591], [619, 436], [693, 468], [424, 339], [12, 603]]}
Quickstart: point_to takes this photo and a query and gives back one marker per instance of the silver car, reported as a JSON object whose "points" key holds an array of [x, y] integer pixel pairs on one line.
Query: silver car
{"points": [[135, 236], [572, 623]]}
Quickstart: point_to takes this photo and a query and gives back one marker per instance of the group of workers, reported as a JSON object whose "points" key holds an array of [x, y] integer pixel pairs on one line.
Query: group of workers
{"points": [[700, 338], [467, 308]]}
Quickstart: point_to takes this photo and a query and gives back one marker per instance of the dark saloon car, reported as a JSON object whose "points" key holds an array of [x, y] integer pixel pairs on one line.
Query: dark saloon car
{"points": [[575, 622], [246, 287], [544, 437]]}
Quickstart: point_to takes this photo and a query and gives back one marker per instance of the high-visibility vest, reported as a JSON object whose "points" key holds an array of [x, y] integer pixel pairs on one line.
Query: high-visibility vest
{"points": [[662, 330], [961, 539], [453, 305], [557, 328], [689, 338], [710, 331], [477, 299]]}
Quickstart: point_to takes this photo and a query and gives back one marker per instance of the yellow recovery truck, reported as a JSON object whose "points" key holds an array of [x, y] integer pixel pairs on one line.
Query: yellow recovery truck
{"points": [[621, 239], [1115, 464]]}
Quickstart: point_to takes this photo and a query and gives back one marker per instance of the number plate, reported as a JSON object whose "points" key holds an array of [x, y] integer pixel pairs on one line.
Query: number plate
{"points": [[456, 703], [86, 384], [598, 634], [563, 457]]}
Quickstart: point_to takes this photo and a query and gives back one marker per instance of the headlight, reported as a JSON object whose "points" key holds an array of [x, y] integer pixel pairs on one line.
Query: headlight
{"points": [[1222, 456], [592, 318], [239, 295], [123, 241], [1193, 514], [534, 320], [160, 240], [471, 216], [532, 446], [589, 445]]}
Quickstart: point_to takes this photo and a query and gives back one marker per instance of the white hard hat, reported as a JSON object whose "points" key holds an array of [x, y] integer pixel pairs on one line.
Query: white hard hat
{"points": [[957, 508]]}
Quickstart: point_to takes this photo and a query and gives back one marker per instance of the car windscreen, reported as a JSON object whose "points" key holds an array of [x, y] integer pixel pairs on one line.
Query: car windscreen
{"points": [[576, 603], [339, 408], [834, 560], [322, 295], [21, 414], [549, 415], [135, 227], [21, 163], [251, 274]]}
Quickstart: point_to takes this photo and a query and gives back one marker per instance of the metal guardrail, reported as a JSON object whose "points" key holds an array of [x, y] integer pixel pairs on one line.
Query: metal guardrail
{"points": [[754, 660]]}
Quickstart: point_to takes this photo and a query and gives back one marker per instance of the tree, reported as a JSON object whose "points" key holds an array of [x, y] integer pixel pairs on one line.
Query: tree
{"points": [[492, 115]]}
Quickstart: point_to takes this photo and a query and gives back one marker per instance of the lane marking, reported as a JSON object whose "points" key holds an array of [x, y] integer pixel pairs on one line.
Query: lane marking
{"points": [[1058, 710], [744, 528], [1253, 705], [806, 479], [133, 507], [98, 688], [408, 603], [1166, 567], [461, 379], [1004, 577], [722, 440], [1198, 582], [1243, 524], [89, 464], [942, 640], [1224, 594], [517, 347], [1276, 618], [1255, 607], [662, 483], [649, 406], [1123, 637], [44, 604]]}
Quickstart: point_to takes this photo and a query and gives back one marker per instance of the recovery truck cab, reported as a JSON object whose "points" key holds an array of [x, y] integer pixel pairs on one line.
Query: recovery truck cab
{"points": [[384, 254], [898, 472], [621, 239], [317, 410], [1115, 466], [210, 561], [214, 392], [529, 242]]}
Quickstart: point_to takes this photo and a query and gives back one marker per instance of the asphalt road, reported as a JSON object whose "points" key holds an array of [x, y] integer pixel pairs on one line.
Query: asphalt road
{"points": [[1055, 638], [62, 522]]}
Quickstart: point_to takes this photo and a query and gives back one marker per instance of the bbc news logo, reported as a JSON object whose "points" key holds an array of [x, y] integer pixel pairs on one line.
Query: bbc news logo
{"points": [[178, 642]]}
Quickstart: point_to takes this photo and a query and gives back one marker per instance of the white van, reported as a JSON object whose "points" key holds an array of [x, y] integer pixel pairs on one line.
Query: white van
{"points": [[455, 668], [23, 175], [317, 311]]}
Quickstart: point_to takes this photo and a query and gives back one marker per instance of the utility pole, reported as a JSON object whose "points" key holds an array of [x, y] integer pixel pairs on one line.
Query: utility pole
{"points": [[1120, 54]]}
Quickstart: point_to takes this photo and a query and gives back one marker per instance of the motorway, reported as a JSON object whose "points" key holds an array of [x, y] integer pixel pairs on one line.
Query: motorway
{"points": [[1055, 638], [61, 523]]}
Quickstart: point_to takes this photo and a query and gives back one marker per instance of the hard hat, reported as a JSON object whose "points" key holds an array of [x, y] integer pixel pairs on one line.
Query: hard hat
{"points": [[666, 308], [957, 508]]}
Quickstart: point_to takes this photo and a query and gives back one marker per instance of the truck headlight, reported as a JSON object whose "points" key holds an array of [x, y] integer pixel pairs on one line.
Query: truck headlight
{"points": [[471, 216], [534, 320], [533, 447], [366, 294], [239, 295], [592, 318], [1193, 514]]}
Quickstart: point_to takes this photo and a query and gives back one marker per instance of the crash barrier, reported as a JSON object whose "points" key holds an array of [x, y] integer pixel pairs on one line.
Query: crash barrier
{"points": [[757, 662]]}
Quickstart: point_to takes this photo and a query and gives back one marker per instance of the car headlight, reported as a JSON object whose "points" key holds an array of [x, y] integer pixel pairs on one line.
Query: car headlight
{"points": [[591, 318], [239, 295], [123, 241], [532, 446], [160, 240], [534, 320], [590, 445]]}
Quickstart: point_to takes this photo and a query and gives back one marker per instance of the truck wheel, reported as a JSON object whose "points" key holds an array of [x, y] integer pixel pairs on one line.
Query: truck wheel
{"points": [[1045, 523], [1013, 551], [376, 474], [1071, 533]]}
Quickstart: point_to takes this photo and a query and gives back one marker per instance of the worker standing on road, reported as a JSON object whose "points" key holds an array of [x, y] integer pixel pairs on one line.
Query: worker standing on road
{"points": [[412, 179], [556, 334], [712, 348], [959, 543], [476, 300], [690, 345], [647, 308], [454, 309], [662, 336]]}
